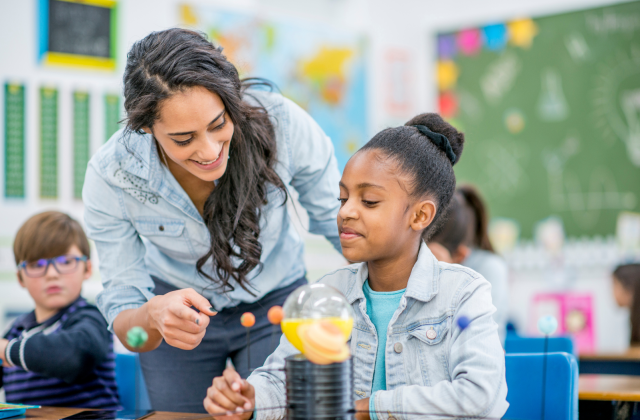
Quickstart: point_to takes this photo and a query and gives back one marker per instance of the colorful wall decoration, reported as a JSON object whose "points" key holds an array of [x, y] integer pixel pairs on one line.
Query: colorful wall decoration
{"points": [[14, 140], [81, 143], [48, 142]]}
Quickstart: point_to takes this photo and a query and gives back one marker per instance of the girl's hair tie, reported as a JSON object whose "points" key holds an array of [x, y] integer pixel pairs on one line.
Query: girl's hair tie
{"points": [[439, 140]]}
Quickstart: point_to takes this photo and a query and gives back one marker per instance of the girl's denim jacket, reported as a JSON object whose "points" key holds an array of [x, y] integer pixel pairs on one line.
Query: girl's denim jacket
{"points": [[457, 372]]}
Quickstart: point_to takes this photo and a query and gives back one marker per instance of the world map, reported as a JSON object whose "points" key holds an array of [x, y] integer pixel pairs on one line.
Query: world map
{"points": [[320, 68]]}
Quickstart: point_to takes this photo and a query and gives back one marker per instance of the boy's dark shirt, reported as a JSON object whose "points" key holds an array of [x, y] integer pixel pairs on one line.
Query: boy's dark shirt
{"points": [[67, 360]]}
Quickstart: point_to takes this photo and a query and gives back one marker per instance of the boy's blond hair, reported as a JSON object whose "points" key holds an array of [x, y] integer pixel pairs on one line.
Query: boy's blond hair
{"points": [[48, 235]]}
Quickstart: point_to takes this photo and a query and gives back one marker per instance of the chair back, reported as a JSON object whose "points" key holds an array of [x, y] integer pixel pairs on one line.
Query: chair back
{"points": [[524, 373], [132, 389], [536, 345]]}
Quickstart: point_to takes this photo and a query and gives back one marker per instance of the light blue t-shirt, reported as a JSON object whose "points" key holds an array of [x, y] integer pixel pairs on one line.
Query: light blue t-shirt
{"points": [[380, 307]]}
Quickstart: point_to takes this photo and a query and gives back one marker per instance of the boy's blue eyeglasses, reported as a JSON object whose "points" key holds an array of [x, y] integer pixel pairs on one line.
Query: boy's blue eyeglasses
{"points": [[64, 264]]}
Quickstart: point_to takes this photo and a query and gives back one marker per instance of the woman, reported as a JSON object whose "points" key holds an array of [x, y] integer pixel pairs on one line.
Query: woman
{"points": [[186, 207]]}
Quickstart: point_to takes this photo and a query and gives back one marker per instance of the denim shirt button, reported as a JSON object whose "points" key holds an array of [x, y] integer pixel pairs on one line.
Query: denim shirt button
{"points": [[161, 228], [431, 334], [397, 347]]}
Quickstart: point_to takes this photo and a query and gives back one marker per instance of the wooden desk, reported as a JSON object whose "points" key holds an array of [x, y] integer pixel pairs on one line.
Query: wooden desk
{"points": [[56, 413], [627, 363], [609, 388]]}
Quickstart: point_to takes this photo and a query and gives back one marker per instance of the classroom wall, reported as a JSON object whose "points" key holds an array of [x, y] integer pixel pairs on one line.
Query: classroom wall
{"points": [[401, 25]]}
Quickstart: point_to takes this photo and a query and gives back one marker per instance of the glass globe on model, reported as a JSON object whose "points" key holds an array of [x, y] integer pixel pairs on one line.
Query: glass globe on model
{"points": [[315, 302]]}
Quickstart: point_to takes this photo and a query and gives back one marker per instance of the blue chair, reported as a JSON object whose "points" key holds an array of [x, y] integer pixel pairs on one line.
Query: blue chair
{"points": [[536, 345], [524, 381], [131, 386]]}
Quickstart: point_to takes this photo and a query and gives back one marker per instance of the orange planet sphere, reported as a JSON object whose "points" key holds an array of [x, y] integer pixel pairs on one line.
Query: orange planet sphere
{"points": [[323, 343], [248, 319], [275, 315]]}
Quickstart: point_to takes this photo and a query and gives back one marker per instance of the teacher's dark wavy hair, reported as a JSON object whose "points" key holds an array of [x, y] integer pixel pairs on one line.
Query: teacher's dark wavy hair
{"points": [[170, 61]]}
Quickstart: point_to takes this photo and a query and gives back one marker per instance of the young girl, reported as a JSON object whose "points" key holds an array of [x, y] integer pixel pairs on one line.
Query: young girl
{"points": [[410, 355], [626, 291]]}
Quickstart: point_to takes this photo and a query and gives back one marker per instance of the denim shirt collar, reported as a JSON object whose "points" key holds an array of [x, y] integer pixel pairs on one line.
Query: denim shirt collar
{"points": [[144, 162], [423, 281], [139, 154]]}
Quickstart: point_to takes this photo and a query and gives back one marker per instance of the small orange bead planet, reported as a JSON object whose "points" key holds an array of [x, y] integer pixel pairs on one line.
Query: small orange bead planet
{"points": [[275, 315], [247, 319]]}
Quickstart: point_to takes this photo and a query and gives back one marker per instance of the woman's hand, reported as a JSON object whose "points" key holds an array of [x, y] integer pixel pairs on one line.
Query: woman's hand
{"points": [[230, 393], [169, 317], [172, 316]]}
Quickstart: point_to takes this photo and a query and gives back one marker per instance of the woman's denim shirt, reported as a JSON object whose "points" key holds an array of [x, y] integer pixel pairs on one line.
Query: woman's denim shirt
{"points": [[144, 224], [454, 373]]}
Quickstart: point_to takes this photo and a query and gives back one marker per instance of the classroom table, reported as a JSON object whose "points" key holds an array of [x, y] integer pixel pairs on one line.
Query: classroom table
{"points": [[626, 363], [608, 396], [609, 387], [56, 413]]}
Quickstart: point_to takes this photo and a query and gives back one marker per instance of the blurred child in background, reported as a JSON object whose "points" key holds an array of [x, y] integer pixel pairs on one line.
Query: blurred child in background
{"points": [[60, 354], [464, 239], [626, 279]]}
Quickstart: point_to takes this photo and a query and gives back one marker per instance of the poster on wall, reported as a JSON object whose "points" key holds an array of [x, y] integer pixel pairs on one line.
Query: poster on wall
{"points": [[399, 94], [81, 141], [48, 142], [321, 69], [550, 107], [111, 114], [14, 140], [77, 33]]}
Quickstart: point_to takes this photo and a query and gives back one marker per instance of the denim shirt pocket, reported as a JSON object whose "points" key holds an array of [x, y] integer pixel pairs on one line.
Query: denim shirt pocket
{"points": [[428, 344], [169, 235], [431, 333]]}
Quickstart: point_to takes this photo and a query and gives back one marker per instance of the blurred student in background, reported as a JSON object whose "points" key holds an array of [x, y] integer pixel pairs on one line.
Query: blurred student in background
{"points": [[61, 353], [463, 239], [626, 279]]}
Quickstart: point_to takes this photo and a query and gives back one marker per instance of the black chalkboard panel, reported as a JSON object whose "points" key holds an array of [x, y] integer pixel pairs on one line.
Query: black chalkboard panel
{"points": [[79, 29]]}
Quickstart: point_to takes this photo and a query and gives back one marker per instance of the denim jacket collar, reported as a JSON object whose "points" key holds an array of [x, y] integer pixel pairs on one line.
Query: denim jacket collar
{"points": [[139, 153], [144, 162], [423, 281]]}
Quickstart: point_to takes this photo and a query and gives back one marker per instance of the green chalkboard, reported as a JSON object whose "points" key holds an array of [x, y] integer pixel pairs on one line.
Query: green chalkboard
{"points": [[550, 108]]}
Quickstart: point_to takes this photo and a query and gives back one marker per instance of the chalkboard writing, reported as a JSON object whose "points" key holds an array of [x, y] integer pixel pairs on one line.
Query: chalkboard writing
{"points": [[80, 29], [14, 140], [550, 108]]}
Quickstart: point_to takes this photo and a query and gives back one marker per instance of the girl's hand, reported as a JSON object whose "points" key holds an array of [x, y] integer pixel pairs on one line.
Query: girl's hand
{"points": [[230, 393], [172, 316], [362, 406]]}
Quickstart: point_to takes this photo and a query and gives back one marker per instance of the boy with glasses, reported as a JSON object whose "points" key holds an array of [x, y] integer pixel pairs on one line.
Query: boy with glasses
{"points": [[61, 354]]}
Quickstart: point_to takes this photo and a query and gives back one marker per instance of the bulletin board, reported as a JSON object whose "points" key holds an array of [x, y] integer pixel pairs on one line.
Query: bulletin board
{"points": [[550, 108], [78, 33]]}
